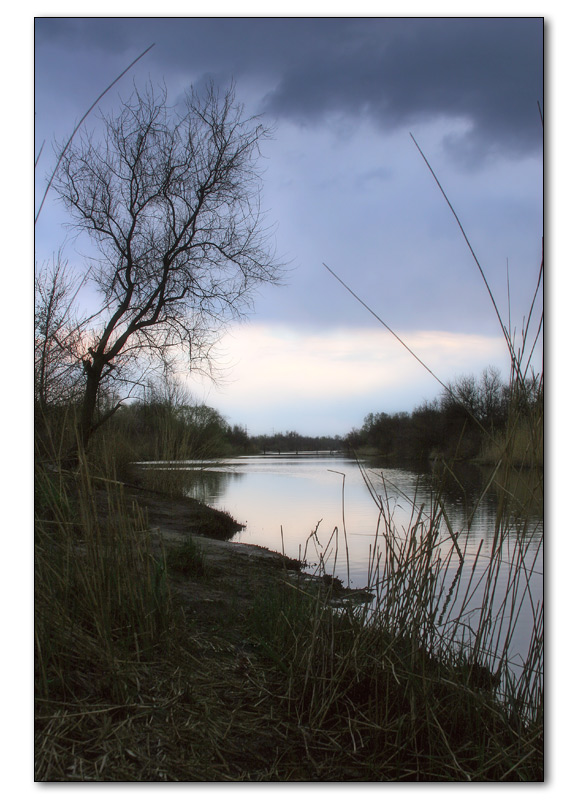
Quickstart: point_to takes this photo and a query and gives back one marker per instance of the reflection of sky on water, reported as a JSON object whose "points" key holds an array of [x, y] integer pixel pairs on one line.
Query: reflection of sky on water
{"points": [[295, 495]]}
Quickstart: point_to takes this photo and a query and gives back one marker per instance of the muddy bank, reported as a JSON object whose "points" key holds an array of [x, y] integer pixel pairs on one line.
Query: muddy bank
{"points": [[233, 572], [182, 515]]}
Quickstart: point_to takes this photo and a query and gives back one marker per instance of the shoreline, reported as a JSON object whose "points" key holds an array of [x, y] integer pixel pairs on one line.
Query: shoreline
{"points": [[235, 570]]}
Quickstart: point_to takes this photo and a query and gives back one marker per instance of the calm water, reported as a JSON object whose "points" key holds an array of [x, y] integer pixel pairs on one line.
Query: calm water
{"points": [[283, 499]]}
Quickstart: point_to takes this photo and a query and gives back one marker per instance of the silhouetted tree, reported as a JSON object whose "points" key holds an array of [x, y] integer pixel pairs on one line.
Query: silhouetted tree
{"points": [[170, 196]]}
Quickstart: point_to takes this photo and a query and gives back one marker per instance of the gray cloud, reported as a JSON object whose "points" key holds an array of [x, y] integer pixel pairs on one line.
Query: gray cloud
{"points": [[363, 201], [394, 71], [399, 72]]}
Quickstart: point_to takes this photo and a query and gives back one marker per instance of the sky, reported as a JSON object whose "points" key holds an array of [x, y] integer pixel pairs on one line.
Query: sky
{"points": [[344, 185]]}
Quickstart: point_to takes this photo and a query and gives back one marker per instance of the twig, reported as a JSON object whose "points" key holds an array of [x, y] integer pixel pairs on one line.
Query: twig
{"points": [[471, 250], [384, 324]]}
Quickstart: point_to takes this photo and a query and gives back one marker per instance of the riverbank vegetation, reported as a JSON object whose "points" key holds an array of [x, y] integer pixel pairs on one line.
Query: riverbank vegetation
{"points": [[471, 420], [157, 661]]}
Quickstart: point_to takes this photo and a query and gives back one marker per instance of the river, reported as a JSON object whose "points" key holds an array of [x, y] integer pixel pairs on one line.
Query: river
{"points": [[282, 499]]}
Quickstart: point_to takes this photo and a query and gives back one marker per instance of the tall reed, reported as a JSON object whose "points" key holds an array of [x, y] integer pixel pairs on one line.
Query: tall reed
{"points": [[420, 684], [101, 598]]}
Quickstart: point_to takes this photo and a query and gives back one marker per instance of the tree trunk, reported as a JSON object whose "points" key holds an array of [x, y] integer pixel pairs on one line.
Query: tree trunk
{"points": [[89, 405]]}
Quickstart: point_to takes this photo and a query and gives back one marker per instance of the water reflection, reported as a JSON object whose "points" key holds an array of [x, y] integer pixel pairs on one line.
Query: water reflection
{"points": [[208, 486], [287, 497], [281, 500]]}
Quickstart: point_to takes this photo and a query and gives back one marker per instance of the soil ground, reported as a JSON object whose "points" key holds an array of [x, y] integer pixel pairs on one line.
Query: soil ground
{"points": [[234, 572]]}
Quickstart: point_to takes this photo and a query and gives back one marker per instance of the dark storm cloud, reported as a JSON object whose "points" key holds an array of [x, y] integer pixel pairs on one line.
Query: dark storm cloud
{"points": [[396, 72], [399, 72]]}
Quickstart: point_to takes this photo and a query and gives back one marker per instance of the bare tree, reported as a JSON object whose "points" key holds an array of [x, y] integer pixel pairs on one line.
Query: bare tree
{"points": [[494, 395], [58, 336], [483, 400], [170, 195]]}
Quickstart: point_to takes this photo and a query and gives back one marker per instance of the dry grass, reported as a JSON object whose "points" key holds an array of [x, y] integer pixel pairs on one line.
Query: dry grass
{"points": [[150, 673], [135, 681], [398, 692]]}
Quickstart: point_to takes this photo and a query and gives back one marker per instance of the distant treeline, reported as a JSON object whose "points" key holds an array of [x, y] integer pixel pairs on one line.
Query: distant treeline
{"points": [[167, 428], [163, 430], [155, 429], [292, 442], [467, 422]]}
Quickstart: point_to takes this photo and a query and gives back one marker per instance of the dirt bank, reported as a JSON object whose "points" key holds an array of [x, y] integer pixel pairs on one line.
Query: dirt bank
{"points": [[233, 572]]}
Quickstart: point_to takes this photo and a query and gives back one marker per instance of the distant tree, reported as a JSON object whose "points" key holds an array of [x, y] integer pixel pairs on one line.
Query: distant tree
{"points": [[239, 439], [482, 400], [494, 398], [170, 196], [462, 398], [425, 433]]}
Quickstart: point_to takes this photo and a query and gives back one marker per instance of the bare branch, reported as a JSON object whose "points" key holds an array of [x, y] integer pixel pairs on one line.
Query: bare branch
{"points": [[171, 198], [73, 134]]}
